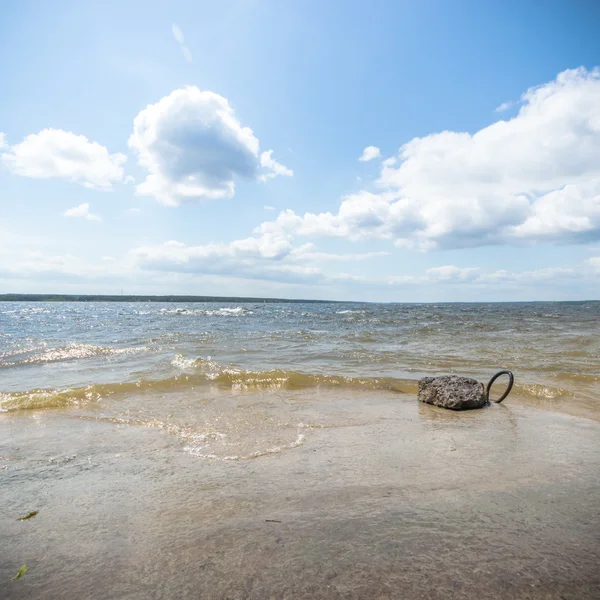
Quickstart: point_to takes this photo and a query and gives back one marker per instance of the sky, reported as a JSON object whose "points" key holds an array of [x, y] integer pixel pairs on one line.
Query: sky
{"points": [[387, 151]]}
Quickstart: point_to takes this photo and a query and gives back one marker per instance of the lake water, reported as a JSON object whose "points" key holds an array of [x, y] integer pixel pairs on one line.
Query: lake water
{"points": [[278, 451]]}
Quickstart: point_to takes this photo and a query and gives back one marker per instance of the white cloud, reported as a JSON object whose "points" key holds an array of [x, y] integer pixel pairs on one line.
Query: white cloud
{"points": [[58, 153], [267, 207], [272, 258], [187, 53], [274, 168], [307, 253], [2, 140], [504, 106], [252, 258], [82, 211], [568, 214], [268, 257], [178, 35], [194, 148], [451, 274], [532, 178], [369, 153], [129, 179], [174, 252]]}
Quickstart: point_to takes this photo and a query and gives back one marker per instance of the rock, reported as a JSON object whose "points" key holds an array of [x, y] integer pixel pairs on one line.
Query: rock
{"points": [[450, 391]]}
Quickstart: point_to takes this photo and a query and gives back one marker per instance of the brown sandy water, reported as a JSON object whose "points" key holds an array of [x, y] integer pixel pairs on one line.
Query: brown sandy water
{"points": [[353, 495]]}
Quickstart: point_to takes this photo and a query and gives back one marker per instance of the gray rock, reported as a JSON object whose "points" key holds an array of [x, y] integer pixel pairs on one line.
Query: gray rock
{"points": [[450, 391]]}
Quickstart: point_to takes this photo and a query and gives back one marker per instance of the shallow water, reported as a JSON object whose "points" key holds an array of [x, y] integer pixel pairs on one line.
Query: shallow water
{"points": [[278, 451], [384, 498]]}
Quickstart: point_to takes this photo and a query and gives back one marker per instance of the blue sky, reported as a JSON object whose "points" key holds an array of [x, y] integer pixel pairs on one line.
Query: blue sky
{"points": [[214, 148]]}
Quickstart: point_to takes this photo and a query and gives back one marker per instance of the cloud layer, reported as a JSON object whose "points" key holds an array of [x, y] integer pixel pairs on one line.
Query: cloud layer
{"points": [[268, 257], [194, 148], [62, 154]]}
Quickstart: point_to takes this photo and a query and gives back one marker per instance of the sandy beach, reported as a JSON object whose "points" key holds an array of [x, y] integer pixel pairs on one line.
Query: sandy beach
{"points": [[384, 498]]}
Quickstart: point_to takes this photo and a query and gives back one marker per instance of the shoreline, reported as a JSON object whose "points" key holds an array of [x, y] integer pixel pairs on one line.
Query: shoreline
{"points": [[570, 403]]}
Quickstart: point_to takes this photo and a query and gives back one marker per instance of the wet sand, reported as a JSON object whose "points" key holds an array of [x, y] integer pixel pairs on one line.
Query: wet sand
{"points": [[384, 498]]}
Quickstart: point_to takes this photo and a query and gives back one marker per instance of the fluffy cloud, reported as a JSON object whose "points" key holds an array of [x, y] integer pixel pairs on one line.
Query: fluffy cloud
{"points": [[178, 35], [504, 106], [369, 153], [194, 148], [570, 214], [274, 168], [82, 211], [533, 177], [58, 153]]}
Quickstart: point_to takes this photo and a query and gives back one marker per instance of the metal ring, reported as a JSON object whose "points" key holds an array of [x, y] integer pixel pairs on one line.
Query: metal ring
{"points": [[508, 388]]}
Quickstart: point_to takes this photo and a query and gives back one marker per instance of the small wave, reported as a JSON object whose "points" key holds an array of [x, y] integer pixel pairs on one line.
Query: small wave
{"points": [[205, 373], [183, 363], [25, 311], [218, 312], [74, 351], [17, 351], [350, 312], [273, 450], [38, 399], [207, 443], [536, 390]]}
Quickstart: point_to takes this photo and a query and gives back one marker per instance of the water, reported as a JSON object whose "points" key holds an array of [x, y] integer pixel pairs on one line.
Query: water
{"points": [[79, 353], [277, 450]]}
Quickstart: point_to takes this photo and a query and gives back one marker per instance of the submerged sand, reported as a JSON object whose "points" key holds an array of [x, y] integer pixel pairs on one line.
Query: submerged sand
{"points": [[381, 498]]}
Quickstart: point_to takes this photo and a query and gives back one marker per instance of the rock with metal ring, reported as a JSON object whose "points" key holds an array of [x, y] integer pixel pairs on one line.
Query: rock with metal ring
{"points": [[459, 393]]}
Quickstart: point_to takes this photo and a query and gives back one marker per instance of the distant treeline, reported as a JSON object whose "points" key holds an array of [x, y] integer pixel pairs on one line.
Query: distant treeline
{"points": [[121, 298]]}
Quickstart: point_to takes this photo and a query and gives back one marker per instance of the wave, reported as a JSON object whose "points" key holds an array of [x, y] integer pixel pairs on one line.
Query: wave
{"points": [[74, 351], [207, 373], [25, 311], [238, 311], [202, 372]]}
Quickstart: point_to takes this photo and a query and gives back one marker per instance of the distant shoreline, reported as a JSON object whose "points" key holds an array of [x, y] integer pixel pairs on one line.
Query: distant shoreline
{"points": [[132, 298], [240, 299]]}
